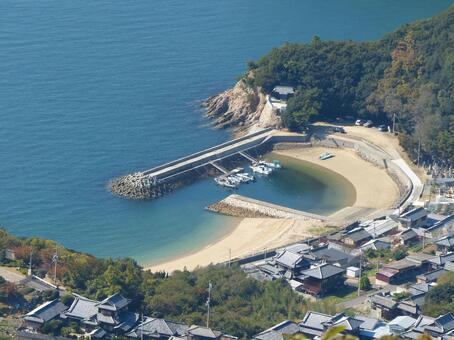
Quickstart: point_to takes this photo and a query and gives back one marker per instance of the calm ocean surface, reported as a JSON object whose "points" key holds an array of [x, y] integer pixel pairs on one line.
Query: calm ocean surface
{"points": [[90, 90]]}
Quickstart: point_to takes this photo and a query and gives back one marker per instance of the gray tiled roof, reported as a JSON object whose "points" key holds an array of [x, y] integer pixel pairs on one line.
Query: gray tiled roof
{"points": [[447, 241], [415, 214], [432, 276], [385, 301], [323, 271], [276, 332], [46, 312], [442, 324], [159, 327], [358, 235], [82, 308], [202, 332], [289, 259], [114, 302], [442, 259], [315, 320], [408, 234], [332, 255]]}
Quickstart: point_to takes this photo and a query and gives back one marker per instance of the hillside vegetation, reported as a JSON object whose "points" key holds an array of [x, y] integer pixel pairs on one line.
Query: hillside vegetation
{"points": [[240, 305], [409, 73]]}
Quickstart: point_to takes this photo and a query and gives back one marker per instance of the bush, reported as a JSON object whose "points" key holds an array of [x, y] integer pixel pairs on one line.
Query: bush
{"points": [[364, 283]]}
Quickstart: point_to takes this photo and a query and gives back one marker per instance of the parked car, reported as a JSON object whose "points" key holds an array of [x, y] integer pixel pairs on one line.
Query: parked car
{"points": [[382, 128], [360, 122], [338, 129], [368, 124]]}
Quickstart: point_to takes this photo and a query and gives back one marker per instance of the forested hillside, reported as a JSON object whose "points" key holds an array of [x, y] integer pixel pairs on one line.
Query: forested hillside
{"points": [[409, 73]]}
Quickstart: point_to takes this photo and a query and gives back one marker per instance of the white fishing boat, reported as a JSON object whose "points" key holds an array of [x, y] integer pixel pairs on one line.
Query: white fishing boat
{"points": [[245, 177], [261, 169], [273, 164], [224, 182], [326, 155]]}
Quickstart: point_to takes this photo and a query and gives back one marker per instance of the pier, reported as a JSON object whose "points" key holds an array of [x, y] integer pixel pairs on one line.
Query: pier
{"points": [[157, 181]]}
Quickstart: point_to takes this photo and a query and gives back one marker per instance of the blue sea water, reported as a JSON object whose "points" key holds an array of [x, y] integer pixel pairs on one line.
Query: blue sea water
{"points": [[91, 90]]}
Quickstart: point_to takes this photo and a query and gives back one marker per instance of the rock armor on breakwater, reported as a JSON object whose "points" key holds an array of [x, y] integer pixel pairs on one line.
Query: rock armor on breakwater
{"points": [[138, 186]]}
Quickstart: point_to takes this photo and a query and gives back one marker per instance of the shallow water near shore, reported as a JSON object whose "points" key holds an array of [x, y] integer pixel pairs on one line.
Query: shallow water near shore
{"points": [[92, 90]]}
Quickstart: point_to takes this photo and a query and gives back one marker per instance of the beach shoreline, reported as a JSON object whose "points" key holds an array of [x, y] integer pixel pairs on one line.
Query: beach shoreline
{"points": [[254, 235]]}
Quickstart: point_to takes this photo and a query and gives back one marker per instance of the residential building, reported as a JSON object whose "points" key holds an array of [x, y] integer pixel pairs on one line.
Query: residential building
{"points": [[414, 218], [356, 237], [322, 279], [46, 312]]}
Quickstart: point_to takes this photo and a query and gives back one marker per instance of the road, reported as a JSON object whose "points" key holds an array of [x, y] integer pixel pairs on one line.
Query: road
{"points": [[11, 275]]}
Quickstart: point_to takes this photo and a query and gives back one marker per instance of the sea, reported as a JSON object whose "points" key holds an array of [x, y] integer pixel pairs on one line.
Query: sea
{"points": [[91, 90]]}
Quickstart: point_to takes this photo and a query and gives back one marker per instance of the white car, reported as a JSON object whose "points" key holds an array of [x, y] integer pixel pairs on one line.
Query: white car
{"points": [[359, 122]]}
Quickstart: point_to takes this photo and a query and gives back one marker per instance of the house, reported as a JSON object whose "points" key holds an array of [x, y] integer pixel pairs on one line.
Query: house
{"points": [[382, 228], [356, 237], [442, 227], [385, 306], [431, 276], [282, 92], [401, 271], [377, 244], [334, 256], [371, 328], [401, 324], [439, 261], [46, 312], [313, 324], [293, 262], [408, 237], [445, 244], [414, 218], [418, 328], [441, 325], [204, 333], [322, 279], [278, 331], [153, 328], [110, 315]]}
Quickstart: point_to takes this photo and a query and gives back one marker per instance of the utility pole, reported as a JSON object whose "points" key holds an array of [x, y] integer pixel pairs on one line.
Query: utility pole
{"points": [[208, 303], [141, 331], [360, 269], [55, 261], [30, 262], [230, 257], [394, 122], [419, 149]]}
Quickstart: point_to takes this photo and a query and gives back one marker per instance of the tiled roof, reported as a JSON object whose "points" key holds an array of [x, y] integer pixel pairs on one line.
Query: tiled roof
{"points": [[276, 332], [114, 302], [323, 271], [46, 312], [385, 301], [82, 308], [358, 235], [415, 214], [289, 259]]}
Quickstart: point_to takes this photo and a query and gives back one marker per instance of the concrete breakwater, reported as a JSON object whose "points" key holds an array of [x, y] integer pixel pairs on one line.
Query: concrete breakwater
{"points": [[241, 206], [158, 181]]}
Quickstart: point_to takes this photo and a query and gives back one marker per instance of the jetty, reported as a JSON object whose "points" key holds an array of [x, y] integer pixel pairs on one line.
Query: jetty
{"points": [[157, 181]]}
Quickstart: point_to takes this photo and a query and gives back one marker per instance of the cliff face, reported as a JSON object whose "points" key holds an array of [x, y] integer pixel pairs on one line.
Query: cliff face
{"points": [[243, 108]]}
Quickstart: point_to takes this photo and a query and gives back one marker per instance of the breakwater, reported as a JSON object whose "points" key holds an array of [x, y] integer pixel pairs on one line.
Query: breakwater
{"points": [[158, 181], [241, 206]]}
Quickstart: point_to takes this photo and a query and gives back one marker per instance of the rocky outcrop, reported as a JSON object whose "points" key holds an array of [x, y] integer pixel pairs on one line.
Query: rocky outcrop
{"points": [[243, 108]]}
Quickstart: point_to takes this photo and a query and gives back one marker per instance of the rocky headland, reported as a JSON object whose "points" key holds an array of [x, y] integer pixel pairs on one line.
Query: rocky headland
{"points": [[243, 108]]}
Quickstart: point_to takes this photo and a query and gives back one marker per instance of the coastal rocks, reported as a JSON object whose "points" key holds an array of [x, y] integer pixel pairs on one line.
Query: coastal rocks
{"points": [[137, 186], [242, 107], [240, 206]]}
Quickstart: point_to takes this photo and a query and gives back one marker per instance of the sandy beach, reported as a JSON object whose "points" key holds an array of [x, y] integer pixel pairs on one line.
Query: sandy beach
{"points": [[374, 190]]}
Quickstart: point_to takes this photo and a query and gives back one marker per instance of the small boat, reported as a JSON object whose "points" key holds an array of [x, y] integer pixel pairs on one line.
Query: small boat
{"points": [[326, 155], [261, 169], [224, 182], [245, 177], [235, 179], [274, 164]]}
